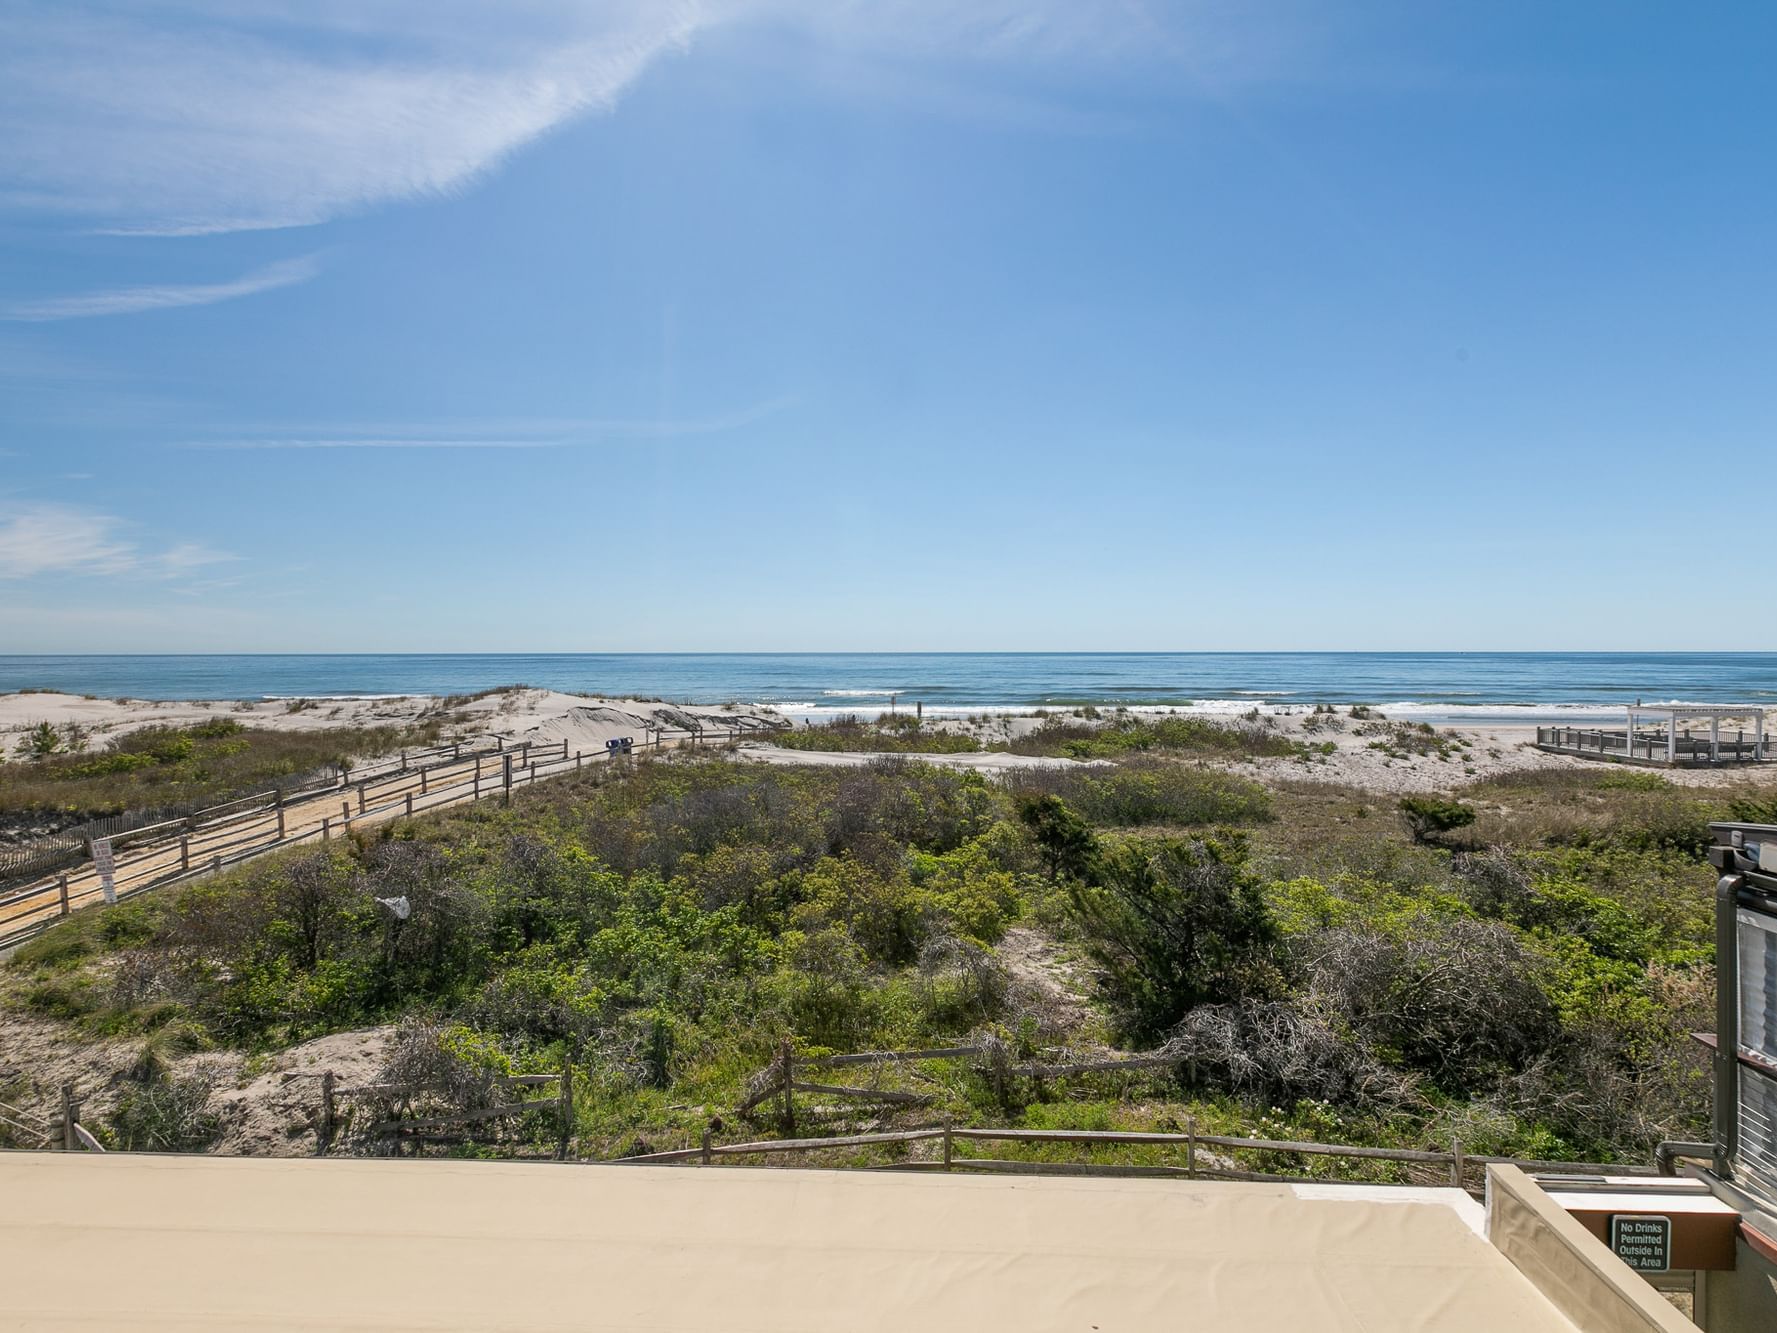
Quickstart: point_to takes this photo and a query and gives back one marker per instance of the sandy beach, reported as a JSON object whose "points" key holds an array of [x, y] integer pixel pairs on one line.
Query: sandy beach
{"points": [[514, 716], [1357, 752]]}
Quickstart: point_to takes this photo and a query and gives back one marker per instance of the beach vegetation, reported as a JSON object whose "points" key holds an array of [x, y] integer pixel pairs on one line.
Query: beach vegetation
{"points": [[1127, 734], [41, 741], [1311, 968], [1431, 816], [162, 766], [1411, 740], [1149, 790], [892, 733], [1172, 924]]}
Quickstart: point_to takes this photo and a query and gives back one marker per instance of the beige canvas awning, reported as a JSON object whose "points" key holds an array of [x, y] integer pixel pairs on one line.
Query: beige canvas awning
{"points": [[124, 1242]]}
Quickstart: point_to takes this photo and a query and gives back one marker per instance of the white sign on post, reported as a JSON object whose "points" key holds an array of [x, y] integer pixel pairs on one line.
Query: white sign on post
{"points": [[106, 864]]}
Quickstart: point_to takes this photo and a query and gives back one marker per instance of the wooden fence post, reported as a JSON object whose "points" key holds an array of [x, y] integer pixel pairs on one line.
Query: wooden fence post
{"points": [[706, 1146], [216, 863], [947, 1143], [326, 828], [423, 788], [361, 802], [1457, 1163], [345, 812], [410, 805], [185, 853], [280, 823], [324, 1130], [1191, 1147], [788, 1060], [506, 777], [70, 1113], [567, 1110], [62, 892]]}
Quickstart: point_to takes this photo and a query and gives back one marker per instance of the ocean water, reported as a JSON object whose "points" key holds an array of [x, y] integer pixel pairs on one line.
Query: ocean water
{"points": [[1433, 686]]}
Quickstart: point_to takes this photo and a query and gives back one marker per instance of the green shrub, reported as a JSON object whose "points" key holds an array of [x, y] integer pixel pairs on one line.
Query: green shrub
{"points": [[1148, 791], [1064, 840], [1127, 734], [1173, 925], [1429, 815], [1633, 779], [41, 741], [900, 733]]}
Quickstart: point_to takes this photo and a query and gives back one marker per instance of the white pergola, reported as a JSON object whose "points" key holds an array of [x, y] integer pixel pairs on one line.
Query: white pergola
{"points": [[1672, 714]]}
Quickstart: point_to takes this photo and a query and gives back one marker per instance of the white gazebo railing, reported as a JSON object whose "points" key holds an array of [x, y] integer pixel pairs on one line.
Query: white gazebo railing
{"points": [[1667, 733]]}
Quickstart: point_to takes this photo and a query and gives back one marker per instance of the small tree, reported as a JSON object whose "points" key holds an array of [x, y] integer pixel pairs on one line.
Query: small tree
{"points": [[1067, 844], [1429, 815], [1173, 925], [41, 741]]}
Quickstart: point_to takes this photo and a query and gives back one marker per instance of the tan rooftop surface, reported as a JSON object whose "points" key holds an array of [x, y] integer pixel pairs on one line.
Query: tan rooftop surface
{"points": [[121, 1242]]}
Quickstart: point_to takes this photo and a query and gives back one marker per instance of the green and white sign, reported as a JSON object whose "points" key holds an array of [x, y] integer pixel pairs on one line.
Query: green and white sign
{"points": [[1642, 1240]]}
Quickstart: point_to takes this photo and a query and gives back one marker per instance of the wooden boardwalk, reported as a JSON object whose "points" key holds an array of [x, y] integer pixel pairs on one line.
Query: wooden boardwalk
{"points": [[1650, 748], [312, 817]]}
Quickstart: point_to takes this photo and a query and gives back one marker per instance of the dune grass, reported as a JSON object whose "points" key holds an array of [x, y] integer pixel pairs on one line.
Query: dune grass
{"points": [[901, 733], [158, 767]]}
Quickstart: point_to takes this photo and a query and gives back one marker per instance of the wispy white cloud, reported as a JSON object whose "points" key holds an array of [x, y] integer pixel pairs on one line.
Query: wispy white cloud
{"points": [[371, 442], [220, 115], [195, 116], [185, 558], [45, 539], [134, 300], [42, 538], [542, 433]]}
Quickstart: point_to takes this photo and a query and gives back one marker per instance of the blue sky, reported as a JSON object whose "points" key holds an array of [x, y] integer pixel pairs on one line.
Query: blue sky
{"points": [[805, 324]]}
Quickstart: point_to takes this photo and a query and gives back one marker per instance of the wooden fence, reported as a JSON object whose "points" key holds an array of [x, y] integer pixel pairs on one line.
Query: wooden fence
{"points": [[402, 1126], [1199, 1156], [779, 1082], [1197, 1153], [69, 846], [186, 849], [65, 1132]]}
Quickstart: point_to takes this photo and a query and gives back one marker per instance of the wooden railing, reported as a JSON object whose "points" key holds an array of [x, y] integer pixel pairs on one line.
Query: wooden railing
{"points": [[774, 1087], [184, 849], [1199, 1156], [1736, 748], [402, 1125], [65, 1132], [1197, 1153]]}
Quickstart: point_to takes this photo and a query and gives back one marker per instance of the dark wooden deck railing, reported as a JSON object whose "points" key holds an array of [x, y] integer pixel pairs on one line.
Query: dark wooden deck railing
{"points": [[1650, 746]]}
